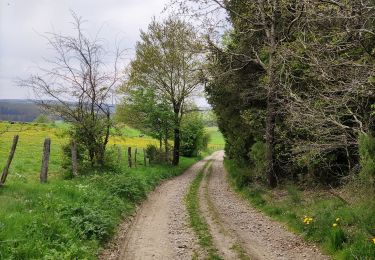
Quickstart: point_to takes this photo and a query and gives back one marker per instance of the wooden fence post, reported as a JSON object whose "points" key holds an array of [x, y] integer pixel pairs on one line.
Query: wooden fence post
{"points": [[135, 157], [10, 158], [74, 158], [45, 160], [119, 154], [144, 157], [129, 157]]}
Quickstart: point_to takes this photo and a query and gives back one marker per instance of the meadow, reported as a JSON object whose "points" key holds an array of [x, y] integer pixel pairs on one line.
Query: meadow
{"points": [[69, 218]]}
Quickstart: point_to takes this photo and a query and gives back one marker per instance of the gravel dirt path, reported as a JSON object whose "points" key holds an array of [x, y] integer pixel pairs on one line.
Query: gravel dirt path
{"points": [[161, 229], [253, 232]]}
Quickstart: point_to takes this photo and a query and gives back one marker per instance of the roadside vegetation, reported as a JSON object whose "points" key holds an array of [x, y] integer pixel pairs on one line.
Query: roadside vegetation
{"points": [[72, 219], [67, 218], [341, 221], [297, 113]]}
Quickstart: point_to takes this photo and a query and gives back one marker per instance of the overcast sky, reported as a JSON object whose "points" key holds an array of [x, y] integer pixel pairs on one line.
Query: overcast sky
{"points": [[22, 22]]}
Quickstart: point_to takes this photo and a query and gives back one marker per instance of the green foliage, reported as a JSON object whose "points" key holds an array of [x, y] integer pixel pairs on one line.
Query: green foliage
{"points": [[72, 219], [241, 176], [156, 155], [42, 119], [209, 118], [316, 121], [258, 157], [350, 238], [293, 194], [337, 238], [144, 110], [85, 167], [367, 156], [89, 223], [215, 136], [168, 62], [193, 135]]}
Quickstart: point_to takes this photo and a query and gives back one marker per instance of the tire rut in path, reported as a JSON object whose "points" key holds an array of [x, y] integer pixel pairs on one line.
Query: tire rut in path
{"points": [[160, 229], [259, 236], [228, 246]]}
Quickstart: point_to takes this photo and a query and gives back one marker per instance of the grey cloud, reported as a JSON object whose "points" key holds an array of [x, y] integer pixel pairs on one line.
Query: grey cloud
{"points": [[22, 23]]}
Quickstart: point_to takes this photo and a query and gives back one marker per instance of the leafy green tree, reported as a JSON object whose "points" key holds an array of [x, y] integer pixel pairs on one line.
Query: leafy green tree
{"points": [[193, 136], [169, 61], [297, 76], [141, 109]]}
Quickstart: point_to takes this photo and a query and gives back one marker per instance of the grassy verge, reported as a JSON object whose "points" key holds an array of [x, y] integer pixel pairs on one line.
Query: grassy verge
{"points": [[197, 222], [237, 248], [72, 219], [343, 230], [67, 219]]}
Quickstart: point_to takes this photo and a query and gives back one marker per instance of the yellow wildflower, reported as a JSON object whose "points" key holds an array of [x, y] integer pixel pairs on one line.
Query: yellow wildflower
{"points": [[307, 220], [373, 240], [334, 225], [337, 219]]}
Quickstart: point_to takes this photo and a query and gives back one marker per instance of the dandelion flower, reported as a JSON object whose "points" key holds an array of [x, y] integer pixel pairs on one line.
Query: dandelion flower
{"points": [[334, 225], [337, 219], [373, 240]]}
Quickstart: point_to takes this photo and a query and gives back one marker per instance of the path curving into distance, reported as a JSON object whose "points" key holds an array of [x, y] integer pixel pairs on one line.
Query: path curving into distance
{"points": [[161, 228]]}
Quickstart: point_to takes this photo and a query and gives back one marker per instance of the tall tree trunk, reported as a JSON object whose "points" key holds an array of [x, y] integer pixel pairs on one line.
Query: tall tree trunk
{"points": [[270, 141], [176, 134], [74, 158], [166, 145], [176, 147], [271, 118]]}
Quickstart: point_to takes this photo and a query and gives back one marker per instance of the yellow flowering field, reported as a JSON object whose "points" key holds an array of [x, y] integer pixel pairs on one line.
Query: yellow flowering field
{"points": [[27, 159]]}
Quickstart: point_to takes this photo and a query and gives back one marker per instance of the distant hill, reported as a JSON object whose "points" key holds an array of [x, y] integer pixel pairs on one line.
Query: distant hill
{"points": [[22, 110]]}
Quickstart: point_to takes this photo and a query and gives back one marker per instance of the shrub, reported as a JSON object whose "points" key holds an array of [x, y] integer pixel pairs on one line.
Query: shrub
{"points": [[193, 136], [129, 187], [42, 119], [111, 162], [367, 156], [155, 155], [257, 155], [89, 223]]}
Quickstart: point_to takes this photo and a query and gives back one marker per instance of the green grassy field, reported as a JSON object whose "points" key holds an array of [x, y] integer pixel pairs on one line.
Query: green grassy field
{"points": [[216, 137], [27, 159], [344, 229], [67, 219]]}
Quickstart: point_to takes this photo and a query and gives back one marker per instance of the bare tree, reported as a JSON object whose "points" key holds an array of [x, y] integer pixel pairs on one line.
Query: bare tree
{"points": [[331, 92], [77, 85]]}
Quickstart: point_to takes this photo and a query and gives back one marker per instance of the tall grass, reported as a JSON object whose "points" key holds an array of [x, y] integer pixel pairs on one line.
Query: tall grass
{"points": [[343, 230], [66, 219]]}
